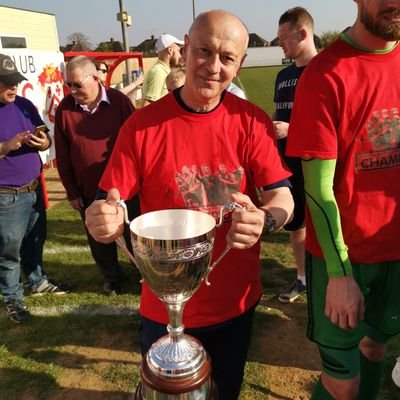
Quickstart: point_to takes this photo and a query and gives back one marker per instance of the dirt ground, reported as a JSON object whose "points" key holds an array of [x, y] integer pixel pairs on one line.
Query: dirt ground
{"points": [[55, 189], [280, 346]]}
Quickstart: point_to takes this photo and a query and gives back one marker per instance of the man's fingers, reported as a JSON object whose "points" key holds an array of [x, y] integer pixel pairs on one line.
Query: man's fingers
{"points": [[353, 320], [244, 201], [361, 310], [113, 195]]}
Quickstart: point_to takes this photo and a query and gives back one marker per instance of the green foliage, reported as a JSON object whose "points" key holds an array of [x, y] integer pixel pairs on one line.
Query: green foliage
{"points": [[104, 47], [328, 37]]}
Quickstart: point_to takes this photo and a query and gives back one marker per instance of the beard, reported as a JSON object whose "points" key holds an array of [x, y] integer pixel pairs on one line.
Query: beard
{"points": [[379, 26]]}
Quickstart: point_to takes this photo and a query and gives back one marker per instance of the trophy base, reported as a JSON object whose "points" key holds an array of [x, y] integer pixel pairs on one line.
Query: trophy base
{"points": [[200, 386], [211, 395]]}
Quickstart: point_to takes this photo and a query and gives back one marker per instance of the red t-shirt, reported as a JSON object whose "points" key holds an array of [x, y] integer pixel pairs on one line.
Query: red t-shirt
{"points": [[178, 159], [347, 108]]}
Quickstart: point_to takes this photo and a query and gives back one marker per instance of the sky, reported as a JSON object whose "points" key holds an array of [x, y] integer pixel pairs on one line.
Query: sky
{"points": [[97, 18]]}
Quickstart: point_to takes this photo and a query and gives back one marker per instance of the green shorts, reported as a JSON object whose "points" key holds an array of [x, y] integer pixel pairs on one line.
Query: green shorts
{"points": [[380, 285]]}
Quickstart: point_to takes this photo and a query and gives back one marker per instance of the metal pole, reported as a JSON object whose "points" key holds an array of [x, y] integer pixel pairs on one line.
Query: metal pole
{"points": [[125, 39], [194, 12]]}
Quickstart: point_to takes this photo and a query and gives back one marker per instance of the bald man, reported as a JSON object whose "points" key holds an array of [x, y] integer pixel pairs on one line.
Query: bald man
{"points": [[172, 153]]}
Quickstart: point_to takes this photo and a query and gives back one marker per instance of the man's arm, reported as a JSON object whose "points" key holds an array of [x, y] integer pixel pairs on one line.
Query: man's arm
{"points": [[248, 225], [146, 102], [344, 301], [281, 128]]}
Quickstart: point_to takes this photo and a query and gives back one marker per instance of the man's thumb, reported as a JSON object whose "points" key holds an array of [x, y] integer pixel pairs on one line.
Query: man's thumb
{"points": [[113, 195]]}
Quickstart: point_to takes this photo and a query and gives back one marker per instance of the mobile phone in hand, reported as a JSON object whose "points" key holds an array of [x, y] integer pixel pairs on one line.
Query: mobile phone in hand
{"points": [[40, 128]]}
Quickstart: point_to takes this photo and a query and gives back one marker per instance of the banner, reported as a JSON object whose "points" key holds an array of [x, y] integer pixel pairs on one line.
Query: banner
{"points": [[44, 86]]}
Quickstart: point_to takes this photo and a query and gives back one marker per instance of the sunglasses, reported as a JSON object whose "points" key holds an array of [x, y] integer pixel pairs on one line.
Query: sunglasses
{"points": [[78, 85], [103, 70]]}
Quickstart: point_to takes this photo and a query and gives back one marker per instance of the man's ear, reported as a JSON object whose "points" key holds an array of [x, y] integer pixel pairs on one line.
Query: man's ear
{"points": [[185, 48], [302, 34], [240, 66]]}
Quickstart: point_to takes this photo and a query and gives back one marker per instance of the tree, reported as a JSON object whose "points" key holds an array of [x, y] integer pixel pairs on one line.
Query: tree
{"points": [[79, 38], [328, 37], [104, 46]]}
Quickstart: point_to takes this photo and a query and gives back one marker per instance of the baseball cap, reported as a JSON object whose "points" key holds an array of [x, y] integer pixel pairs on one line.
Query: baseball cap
{"points": [[9, 74], [166, 40]]}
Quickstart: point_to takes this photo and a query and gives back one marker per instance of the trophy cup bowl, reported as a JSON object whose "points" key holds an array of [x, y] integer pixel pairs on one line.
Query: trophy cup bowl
{"points": [[172, 250]]}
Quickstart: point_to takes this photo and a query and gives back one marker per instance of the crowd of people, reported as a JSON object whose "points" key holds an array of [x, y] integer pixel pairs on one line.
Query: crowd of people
{"points": [[326, 159]]}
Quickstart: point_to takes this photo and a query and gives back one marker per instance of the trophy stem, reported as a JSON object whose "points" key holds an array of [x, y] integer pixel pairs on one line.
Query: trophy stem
{"points": [[175, 326]]}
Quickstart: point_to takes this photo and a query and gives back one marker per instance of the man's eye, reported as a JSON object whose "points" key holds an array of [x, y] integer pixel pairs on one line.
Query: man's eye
{"points": [[228, 60], [203, 51]]}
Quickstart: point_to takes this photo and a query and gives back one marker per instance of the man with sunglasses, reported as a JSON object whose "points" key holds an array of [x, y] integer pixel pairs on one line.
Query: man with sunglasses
{"points": [[86, 128], [22, 212]]}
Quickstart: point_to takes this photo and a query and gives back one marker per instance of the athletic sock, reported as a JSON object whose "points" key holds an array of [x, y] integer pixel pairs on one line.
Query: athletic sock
{"points": [[320, 393], [371, 378], [302, 278]]}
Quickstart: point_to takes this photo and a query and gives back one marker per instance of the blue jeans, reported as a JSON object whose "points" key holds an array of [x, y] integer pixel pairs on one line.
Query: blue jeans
{"points": [[22, 236]]}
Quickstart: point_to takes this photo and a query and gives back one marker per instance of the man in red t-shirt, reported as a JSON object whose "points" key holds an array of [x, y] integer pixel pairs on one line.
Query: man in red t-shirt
{"points": [[198, 148], [345, 125]]}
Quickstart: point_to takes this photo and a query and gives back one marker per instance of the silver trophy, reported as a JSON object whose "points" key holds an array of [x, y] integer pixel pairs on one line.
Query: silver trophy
{"points": [[172, 250]]}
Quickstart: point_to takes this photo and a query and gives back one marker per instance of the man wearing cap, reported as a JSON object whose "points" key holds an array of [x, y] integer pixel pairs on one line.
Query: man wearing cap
{"points": [[154, 85], [22, 213]]}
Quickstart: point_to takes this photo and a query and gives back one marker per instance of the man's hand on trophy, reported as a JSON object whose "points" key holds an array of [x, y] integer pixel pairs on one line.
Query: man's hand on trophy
{"points": [[105, 219], [247, 224]]}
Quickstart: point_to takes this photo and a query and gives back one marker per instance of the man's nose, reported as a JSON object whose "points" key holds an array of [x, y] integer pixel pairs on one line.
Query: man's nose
{"points": [[214, 63]]}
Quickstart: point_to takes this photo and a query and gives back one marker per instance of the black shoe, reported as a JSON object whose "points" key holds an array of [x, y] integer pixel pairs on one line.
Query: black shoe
{"points": [[17, 311], [51, 286], [293, 292], [111, 288]]}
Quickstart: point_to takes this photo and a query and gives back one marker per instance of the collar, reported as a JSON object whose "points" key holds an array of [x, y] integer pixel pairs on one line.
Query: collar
{"points": [[178, 97], [345, 37], [104, 97]]}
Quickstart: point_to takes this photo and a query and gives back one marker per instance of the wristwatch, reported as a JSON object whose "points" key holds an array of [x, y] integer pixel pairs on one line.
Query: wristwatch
{"points": [[269, 222]]}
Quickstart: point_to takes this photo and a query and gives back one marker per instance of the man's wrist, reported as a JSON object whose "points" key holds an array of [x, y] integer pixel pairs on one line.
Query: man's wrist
{"points": [[269, 222]]}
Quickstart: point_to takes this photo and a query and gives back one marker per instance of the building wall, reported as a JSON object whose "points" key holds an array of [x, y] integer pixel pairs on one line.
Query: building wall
{"points": [[39, 29], [264, 56]]}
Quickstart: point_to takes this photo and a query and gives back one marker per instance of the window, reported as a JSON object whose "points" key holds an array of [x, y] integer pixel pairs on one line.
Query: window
{"points": [[9, 42]]}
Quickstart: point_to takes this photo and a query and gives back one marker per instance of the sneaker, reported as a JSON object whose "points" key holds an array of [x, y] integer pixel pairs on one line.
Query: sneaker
{"points": [[17, 311], [111, 288], [51, 286], [293, 292]]}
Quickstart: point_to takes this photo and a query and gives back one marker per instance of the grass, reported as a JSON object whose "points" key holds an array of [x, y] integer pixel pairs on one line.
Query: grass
{"points": [[85, 345], [258, 83]]}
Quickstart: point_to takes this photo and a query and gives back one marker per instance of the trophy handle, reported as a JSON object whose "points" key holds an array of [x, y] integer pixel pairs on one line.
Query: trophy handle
{"points": [[227, 207], [121, 242]]}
